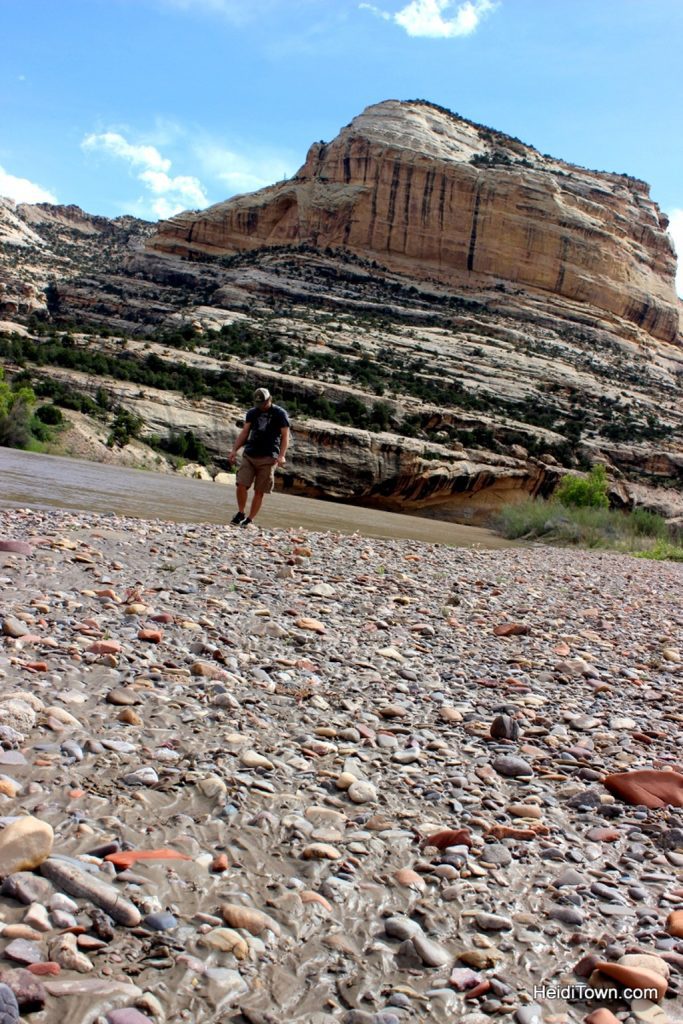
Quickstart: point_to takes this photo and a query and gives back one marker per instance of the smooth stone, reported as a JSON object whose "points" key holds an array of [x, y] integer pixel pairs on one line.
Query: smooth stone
{"points": [[567, 915], [24, 952], [145, 776], [9, 1008], [530, 1014], [128, 1015], [16, 547], [24, 845], [73, 880], [512, 767], [401, 928], [160, 922], [29, 991], [492, 922], [431, 953], [648, 787], [362, 792], [27, 888], [496, 854]]}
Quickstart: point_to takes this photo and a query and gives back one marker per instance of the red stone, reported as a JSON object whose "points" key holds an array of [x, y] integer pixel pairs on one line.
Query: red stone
{"points": [[509, 832], [511, 629], [648, 787], [47, 968], [16, 547], [162, 617], [124, 859], [674, 923], [219, 863], [36, 666], [601, 1016], [633, 977], [479, 990], [152, 636], [449, 837], [104, 647]]}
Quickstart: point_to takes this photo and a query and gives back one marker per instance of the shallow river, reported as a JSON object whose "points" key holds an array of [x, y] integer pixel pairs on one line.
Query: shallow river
{"points": [[28, 480]]}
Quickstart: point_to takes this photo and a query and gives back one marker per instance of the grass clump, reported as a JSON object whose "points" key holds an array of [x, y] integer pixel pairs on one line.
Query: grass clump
{"points": [[640, 533]]}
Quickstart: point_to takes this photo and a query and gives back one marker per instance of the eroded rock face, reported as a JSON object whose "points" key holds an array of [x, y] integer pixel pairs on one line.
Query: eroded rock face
{"points": [[434, 196]]}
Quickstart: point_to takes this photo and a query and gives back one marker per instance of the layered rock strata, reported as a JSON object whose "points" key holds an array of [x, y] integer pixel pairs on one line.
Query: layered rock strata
{"points": [[434, 196]]}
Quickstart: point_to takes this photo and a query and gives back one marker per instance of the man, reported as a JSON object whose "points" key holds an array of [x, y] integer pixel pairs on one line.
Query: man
{"points": [[265, 436]]}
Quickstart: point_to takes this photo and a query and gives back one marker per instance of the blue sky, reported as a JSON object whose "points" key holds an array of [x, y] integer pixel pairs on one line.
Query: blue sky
{"points": [[152, 106]]}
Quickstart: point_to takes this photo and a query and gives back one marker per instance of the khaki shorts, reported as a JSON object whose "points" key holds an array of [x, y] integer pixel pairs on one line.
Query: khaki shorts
{"points": [[257, 471]]}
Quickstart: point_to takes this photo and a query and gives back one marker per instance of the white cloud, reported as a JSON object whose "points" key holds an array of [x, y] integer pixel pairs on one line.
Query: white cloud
{"points": [[436, 19], [168, 194], [138, 156], [676, 232], [242, 173], [21, 190]]}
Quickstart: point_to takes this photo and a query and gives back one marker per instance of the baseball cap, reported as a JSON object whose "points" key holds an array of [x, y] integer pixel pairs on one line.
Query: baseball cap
{"points": [[261, 395]]}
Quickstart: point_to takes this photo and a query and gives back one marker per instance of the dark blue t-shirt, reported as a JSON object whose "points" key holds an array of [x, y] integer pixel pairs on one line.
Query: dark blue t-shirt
{"points": [[266, 431]]}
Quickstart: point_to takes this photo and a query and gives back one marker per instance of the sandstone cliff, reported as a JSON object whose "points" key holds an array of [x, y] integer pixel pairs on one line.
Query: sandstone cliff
{"points": [[434, 196]]}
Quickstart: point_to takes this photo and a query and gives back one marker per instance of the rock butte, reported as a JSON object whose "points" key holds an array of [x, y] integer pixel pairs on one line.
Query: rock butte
{"points": [[431, 194]]}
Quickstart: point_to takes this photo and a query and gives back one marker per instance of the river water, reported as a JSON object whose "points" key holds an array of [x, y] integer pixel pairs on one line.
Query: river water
{"points": [[28, 480]]}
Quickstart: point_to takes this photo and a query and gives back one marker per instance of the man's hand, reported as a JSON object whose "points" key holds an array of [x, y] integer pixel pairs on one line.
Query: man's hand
{"points": [[280, 461], [232, 458]]}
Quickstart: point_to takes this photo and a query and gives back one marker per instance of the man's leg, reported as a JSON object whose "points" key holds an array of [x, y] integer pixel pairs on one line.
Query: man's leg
{"points": [[241, 494], [256, 503]]}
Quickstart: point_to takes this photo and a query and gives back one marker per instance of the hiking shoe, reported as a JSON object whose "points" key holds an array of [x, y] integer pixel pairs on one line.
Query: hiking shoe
{"points": [[246, 522], [238, 518]]}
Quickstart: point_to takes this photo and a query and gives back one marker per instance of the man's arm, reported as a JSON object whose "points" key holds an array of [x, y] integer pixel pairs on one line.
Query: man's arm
{"points": [[284, 444], [239, 441]]}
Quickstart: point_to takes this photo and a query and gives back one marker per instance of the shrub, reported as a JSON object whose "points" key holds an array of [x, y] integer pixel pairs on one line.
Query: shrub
{"points": [[125, 426], [50, 414], [15, 426], [585, 491]]}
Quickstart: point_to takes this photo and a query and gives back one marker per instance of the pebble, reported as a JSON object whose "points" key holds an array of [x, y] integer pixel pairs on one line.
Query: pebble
{"points": [[24, 844], [362, 792], [9, 1008]]}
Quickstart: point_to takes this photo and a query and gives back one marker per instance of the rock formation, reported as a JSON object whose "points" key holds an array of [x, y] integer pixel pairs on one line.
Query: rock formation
{"points": [[437, 197], [452, 319]]}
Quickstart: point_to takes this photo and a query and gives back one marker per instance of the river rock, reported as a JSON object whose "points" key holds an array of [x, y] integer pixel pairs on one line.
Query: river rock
{"points": [[430, 953], [648, 787], [79, 883], [128, 1015], [674, 923], [512, 767], [254, 921], [24, 845], [362, 792]]}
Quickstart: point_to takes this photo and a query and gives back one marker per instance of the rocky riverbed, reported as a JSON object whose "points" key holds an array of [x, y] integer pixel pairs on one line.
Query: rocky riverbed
{"points": [[275, 776]]}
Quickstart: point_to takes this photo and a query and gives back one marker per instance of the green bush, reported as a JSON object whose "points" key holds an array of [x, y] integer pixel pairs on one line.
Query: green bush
{"points": [[125, 427], [50, 415], [187, 447], [584, 491], [15, 426]]}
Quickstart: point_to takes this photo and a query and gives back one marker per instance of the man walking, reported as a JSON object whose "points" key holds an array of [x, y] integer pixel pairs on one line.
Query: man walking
{"points": [[265, 436]]}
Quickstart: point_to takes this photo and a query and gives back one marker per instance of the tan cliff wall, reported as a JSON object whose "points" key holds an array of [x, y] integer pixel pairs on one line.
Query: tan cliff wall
{"points": [[434, 196]]}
